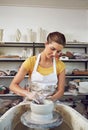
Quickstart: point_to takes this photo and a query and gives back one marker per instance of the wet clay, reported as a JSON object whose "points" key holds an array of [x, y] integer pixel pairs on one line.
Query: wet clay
{"points": [[63, 126]]}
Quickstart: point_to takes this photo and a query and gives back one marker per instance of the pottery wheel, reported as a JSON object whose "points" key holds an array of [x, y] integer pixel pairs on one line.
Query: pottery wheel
{"points": [[27, 121]]}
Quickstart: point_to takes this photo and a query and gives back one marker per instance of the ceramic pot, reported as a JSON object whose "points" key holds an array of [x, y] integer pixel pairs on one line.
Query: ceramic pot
{"points": [[43, 109], [42, 112]]}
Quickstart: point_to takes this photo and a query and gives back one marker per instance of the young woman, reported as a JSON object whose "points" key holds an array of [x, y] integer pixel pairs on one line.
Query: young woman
{"points": [[46, 71]]}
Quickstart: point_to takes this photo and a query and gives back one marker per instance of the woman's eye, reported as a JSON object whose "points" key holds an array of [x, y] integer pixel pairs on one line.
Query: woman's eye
{"points": [[58, 51], [52, 49]]}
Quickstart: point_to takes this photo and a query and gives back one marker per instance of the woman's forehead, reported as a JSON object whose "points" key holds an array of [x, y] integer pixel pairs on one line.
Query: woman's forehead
{"points": [[56, 45]]}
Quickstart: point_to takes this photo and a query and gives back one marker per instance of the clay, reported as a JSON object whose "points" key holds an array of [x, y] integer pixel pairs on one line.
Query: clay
{"points": [[42, 112], [63, 126]]}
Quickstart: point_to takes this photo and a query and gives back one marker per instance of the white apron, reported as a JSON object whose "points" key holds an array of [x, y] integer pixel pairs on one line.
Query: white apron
{"points": [[43, 85]]}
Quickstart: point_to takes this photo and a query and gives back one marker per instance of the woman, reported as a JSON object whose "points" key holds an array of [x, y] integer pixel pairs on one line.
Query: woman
{"points": [[46, 71]]}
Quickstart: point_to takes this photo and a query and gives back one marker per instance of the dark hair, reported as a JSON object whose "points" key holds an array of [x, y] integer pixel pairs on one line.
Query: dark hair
{"points": [[56, 37]]}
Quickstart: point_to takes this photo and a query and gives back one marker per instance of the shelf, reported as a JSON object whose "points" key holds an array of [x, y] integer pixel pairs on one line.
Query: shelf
{"points": [[79, 94], [21, 44], [76, 60], [65, 93], [9, 77], [22, 59], [76, 45], [10, 96], [76, 76], [6, 77], [28, 44], [67, 76], [12, 59]]}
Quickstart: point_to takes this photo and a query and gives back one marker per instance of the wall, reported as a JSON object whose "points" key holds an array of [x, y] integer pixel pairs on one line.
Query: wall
{"points": [[87, 19], [74, 23]]}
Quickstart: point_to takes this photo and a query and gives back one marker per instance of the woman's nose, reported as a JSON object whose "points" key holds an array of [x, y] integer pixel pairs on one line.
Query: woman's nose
{"points": [[54, 53]]}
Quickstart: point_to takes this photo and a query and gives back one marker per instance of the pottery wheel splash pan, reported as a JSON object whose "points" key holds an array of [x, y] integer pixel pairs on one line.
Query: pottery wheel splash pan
{"points": [[27, 121]]}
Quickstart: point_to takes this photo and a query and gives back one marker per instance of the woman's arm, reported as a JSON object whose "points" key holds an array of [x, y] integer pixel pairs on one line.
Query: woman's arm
{"points": [[60, 89], [14, 86]]}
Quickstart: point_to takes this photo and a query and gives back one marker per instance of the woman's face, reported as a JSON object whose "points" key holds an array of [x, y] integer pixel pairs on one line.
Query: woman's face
{"points": [[53, 49]]}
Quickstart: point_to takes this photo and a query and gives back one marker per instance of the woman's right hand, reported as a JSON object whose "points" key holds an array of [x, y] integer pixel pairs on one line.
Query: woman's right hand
{"points": [[35, 97], [31, 95]]}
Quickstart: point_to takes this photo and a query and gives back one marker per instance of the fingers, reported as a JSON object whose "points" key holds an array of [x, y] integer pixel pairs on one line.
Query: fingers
{"points": [[30, 95], [49, 97]]}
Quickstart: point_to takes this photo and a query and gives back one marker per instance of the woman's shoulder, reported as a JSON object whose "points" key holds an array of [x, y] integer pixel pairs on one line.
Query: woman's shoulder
{"points": [[29, 63], [31, 59], [60, 66], [58, 61]]}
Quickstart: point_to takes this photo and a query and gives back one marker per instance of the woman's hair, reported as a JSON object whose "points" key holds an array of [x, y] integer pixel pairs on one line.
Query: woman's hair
{"points": [[56, 37]]}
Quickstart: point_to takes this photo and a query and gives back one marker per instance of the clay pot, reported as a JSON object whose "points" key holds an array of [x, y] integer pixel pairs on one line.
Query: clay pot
{"points": [[45, 108], [42, 112]]}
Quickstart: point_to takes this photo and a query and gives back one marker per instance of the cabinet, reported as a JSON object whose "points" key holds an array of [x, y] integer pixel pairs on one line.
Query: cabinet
{"points": [[13, 54]]}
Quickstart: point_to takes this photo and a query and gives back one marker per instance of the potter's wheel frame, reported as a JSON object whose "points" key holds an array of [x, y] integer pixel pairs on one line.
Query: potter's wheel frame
{"points": [[27, 121]]}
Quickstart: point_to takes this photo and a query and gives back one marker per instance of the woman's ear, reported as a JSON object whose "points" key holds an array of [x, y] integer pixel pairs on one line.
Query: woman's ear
{"points": [[46, 43]]}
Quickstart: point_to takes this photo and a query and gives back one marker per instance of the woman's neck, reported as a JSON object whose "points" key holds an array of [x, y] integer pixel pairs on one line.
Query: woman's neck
{"points": [[44, 61]]}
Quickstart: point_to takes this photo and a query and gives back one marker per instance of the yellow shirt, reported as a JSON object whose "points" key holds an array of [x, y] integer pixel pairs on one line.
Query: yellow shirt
{"points": [[30, 62]]}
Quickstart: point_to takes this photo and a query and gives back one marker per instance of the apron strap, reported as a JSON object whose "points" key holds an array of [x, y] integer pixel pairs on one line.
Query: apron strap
{"points": [[37, 61], [54, 65]]}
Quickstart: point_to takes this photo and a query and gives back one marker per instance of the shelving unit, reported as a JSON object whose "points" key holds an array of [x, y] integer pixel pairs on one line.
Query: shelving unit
{"points": [[16, 49]]}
